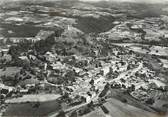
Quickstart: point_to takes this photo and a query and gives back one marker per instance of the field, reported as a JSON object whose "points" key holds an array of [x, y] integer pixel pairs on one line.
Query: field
{"points": [[47, 104]]}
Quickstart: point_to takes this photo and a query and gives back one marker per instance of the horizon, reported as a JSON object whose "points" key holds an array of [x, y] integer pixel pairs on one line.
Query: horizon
{"points": [[132, 1]]}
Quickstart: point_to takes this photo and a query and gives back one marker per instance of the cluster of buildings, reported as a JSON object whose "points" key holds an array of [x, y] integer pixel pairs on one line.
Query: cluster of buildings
{"points": [[77, 79]]}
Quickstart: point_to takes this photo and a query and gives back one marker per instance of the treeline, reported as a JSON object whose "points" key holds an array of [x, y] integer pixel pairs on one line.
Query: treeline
{"points": [[39, 47], [152, 43]]}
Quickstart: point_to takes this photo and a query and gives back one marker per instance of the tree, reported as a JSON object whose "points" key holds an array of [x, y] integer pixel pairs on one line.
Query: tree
{"points": [[22, 46], [74, 114], [150, 101], [61, 114], [92, 82]]}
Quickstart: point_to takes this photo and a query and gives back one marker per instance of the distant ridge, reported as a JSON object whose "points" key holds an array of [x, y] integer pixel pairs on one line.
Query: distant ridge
{"points": [[133, 1]]}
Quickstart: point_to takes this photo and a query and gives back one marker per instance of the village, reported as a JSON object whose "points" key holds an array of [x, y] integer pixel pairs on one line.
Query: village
{"points": [[56, 69], [78, 79]]}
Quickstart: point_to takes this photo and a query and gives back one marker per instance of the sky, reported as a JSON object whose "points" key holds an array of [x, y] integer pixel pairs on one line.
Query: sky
{"points": [[146, 1], [150, 1]]}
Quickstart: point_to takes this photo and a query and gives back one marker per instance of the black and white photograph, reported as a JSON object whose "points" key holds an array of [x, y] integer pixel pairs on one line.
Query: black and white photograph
{"points": [[83, 58]]}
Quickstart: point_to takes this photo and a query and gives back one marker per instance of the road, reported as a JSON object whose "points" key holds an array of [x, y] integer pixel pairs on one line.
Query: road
{"points": [[54, 114], [127, 74]]}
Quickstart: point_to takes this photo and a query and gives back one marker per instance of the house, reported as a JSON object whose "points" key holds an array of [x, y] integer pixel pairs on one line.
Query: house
{"points": [[166, 35], [43, 35], [50, 57], [15, 40], [5, 90], [4, 51], [24, 91]]}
